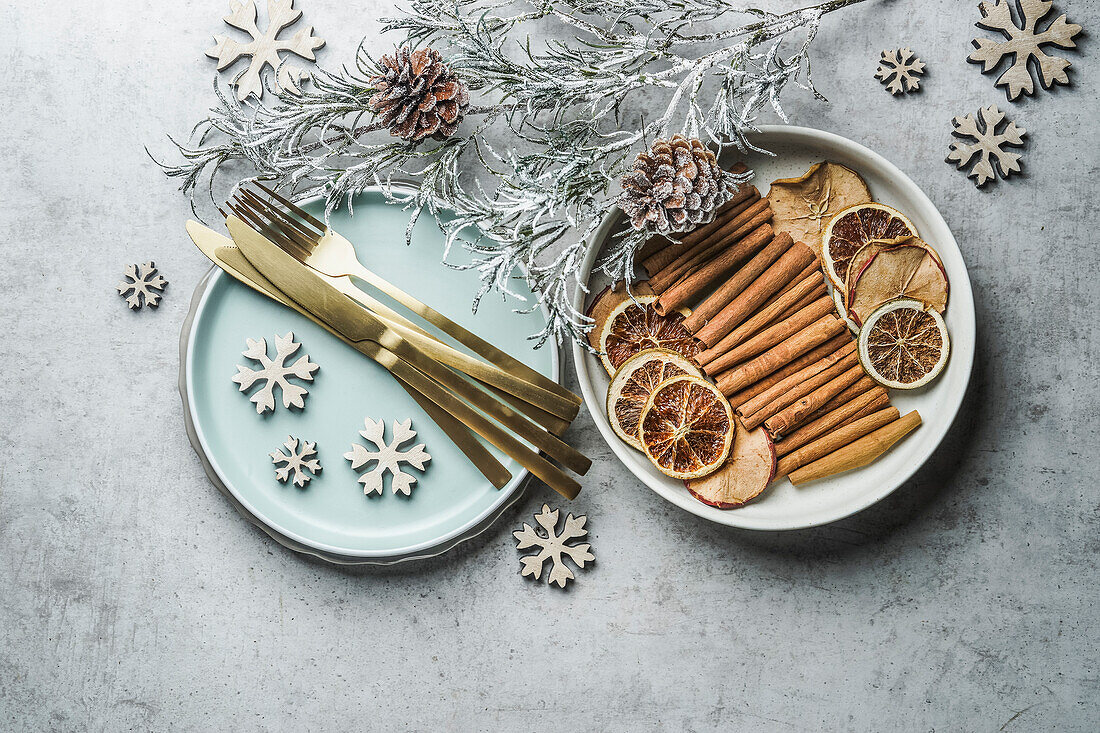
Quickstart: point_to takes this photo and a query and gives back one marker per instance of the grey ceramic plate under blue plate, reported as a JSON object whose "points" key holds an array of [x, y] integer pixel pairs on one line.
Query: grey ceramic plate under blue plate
{"points": [[331, 516]]}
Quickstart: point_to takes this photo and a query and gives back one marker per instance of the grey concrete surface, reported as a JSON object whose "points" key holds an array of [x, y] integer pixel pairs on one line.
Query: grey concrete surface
{"points": [[132, 597]]}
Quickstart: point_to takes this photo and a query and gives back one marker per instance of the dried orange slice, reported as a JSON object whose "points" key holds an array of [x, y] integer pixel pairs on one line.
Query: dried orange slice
{"points": [[856, 226], [632, 327], [605, 301], [910, 269], [634, 382], [686, 427], [904, 344]]}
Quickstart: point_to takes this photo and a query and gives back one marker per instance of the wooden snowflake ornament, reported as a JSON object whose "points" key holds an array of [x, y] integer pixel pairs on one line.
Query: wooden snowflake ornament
{"points": [[275, 372], [265, 46], [298, 462], [899, 71], [388, 457], [988, 145], [142, 285], [553, 546], [1024, 44]]}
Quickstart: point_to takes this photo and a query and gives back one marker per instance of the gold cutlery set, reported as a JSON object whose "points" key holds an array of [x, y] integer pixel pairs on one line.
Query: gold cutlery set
{"points": [[283, 252]]}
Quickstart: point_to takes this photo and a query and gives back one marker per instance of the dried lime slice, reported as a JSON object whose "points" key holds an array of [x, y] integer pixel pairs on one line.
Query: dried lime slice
{"points": [[904, 344]]}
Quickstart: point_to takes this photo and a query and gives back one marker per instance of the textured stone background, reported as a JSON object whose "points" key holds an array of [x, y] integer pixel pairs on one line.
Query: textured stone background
{"points": [[132, 596]]}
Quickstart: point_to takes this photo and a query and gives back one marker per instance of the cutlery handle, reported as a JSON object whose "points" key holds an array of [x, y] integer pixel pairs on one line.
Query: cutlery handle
{"points": [[545, 400], [567, 455], [553, 476], [460, 435], [465, 337], [553, 423]]}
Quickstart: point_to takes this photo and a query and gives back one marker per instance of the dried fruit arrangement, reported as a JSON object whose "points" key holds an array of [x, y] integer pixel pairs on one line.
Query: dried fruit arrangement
{"points": [[762, 344]]}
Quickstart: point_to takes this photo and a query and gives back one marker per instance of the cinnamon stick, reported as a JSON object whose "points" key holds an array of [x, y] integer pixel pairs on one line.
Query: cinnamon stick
{"points": [[773, 359], [654, 259], [790, 397], [687, 288], [835, 440], [742, 303], [813, 272], [858, 453], [775, 333], [788, 390], [794, 414], [865, 384], [740, 280], [664, 269], [767, 382], [862, 404], [781, 306], [862, 385]]}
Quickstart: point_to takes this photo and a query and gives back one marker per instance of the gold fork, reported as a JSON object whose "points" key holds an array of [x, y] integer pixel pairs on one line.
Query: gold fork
{"points": [[330, 253]]}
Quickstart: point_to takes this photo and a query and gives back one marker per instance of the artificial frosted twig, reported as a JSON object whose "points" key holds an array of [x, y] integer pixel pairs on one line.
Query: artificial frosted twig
{"points": [[535, 203]]}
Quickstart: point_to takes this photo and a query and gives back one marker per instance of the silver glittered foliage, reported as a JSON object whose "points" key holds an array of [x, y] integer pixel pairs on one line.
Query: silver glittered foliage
{"points": [[573, 111]]}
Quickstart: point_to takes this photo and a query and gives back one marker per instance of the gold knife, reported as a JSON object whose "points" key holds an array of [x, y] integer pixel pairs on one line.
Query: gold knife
{"points": [[225, 255]]}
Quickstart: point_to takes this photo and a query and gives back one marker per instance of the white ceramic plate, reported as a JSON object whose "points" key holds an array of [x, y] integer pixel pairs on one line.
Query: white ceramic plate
{"points": [[783, 506]]}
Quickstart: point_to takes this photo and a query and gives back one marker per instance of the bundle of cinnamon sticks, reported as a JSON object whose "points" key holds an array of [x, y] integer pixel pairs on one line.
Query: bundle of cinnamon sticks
{"points": [[772, 339]]}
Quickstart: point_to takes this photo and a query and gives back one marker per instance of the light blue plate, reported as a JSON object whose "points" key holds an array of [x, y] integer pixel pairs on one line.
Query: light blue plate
{"points": [[331, 514]]}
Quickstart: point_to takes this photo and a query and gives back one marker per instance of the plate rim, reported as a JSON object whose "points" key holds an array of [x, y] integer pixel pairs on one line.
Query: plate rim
{"points": [[781, 134], [508, 495]]}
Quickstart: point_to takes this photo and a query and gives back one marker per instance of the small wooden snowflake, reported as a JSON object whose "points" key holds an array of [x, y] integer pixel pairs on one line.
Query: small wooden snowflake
{"points": [[988, 145], [388, 457], [900, 71], [143, 285], [275, 373], [553, 546], [298, 462]]}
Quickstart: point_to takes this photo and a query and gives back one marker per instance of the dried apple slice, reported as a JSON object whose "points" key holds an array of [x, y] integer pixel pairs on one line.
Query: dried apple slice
{"points": [[746, 473], [860, 259], [908, 270], [803, 206]]}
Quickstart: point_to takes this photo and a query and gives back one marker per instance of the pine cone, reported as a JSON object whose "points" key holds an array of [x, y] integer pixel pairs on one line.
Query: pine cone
{"points": [[674, 186], [418, 95]]}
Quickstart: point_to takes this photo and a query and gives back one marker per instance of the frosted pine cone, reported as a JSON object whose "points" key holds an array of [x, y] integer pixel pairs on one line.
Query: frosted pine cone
{"points": [[674, 186], [418, 95]]}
